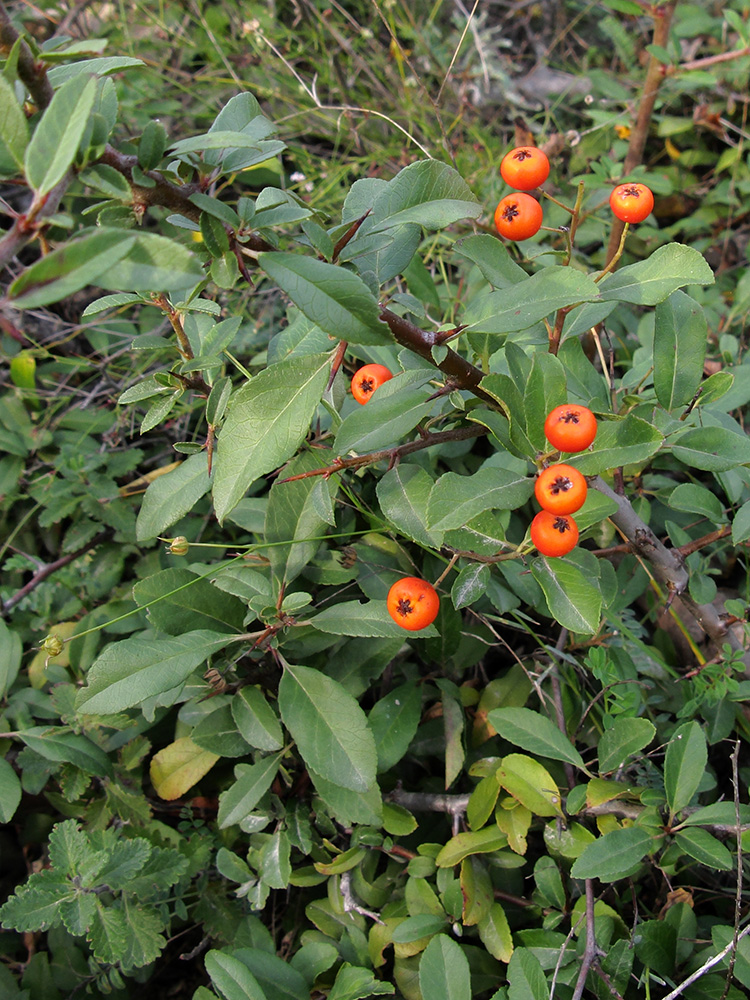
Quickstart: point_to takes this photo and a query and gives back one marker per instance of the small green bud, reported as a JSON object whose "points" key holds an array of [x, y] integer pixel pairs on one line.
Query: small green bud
{"points": [[53, 645], [178, 546]]}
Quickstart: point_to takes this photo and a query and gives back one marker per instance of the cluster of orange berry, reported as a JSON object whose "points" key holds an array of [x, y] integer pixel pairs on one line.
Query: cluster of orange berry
{"points": [[519, 216], [560, 489]]}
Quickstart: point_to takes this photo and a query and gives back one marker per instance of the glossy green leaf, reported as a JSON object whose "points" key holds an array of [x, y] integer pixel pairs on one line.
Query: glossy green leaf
{"points": [[718, 814], [428, 192], [651, 281], [524, 304], [126, 673], [403, 493], [535, 733], [394, 410], [338, 301], [357, 983], [329, 727], [66, 270], [470, 584], [232, 978], [394, 721], [14, 129], [623, 739], [495, 933], [531, 783], [613, 856], [463, 844], [252, 781], [363, 620], [54, 143], [171, 496], [420, 926], [444, 971], [618, 442], [455, 499], [573, 600], [714, 449], [703, 847], [679, 349], [684, 764], [526, 979], [256, 720], [267, 421]]}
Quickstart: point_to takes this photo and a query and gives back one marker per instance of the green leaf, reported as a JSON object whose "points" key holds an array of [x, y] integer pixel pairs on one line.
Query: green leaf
{"points": [[256, 720], [355, 983], [394, 721], [470, 584], [546, 388], [348, 807], [171, 496], [427, 192], [69, 849], [706, 849], [180, 601], [267, 421], [232, 978], [96, 67], [274, 866], [721, 936], [78, 263], [715, 449], [330, 728], [338, 301], [62, 746], [278, 979], [444, 971], [528, 781], [55, 142], [128, 672], [651, 281], [613, 856], [492, 258], [526, 979], [364, 620], [684, 764], [144, 943], [108, 933], [573, 600], [35, 908], [740, 529], [394, 410], [719, 814], [421, 925], [495, 933], [697, 500], [535, 733], [403, 493], [625, 737], [524, 304], [10, 657], [217, 732], [10, 792], [655, 946], [153, 262], [455, 499], [252, 781], [679, 349], [628, 441], [484, 841], [14, 129]]}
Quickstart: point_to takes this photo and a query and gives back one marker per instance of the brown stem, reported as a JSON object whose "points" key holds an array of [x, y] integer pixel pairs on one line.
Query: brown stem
{"points": [[348, 235], [33, 74], [51, 568], [358, 461], [454, 805], [556, 333], [714, 536], [654, 76], [591, 951], [708, 61]]}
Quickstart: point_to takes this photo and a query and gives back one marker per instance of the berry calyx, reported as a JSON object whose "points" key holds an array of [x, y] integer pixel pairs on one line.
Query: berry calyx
{"points": [[631, 202], [560, 489], [554, 534], [367, 379], [570, 427], [524, 168], [413, 603], [518, 216]]}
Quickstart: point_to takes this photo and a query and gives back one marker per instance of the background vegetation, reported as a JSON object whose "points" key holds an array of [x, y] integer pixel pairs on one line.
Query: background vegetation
{"points": [[545, 793]]}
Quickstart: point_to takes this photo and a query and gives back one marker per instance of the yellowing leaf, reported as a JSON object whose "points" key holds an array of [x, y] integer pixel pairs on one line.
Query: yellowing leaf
{"points": [[37, 667], [530, 783], [178, 767], [672, 151], [139, 485], [599, 790], [623, 131], [514, 822]]}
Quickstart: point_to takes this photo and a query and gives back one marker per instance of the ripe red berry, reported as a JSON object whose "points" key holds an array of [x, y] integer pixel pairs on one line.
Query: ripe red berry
{"points": [[518, 216], [631, 202], [570, 427], [367, 379], [525, 168], [554, 534], [560, 489], [413, 603]]}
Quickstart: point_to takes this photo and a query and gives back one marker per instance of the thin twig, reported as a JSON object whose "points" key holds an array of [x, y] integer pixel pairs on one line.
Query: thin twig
{"points": [[714, 960], [591, 951], [738, 893], [51, 568]]}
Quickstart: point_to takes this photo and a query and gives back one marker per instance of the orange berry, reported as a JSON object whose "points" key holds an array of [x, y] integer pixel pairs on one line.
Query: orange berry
{"points": [[525, 168], [413, 603], [367, 379], [631, 202], [560, 489], [518, 216], [553, 534], [570, 427]]}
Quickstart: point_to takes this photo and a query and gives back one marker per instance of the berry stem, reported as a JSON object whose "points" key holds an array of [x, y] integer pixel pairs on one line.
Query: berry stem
{"points": [[613, 262]]}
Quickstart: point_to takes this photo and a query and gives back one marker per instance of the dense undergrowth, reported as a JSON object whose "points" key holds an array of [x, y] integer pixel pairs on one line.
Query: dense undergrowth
{"points": [[226, 771]]}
